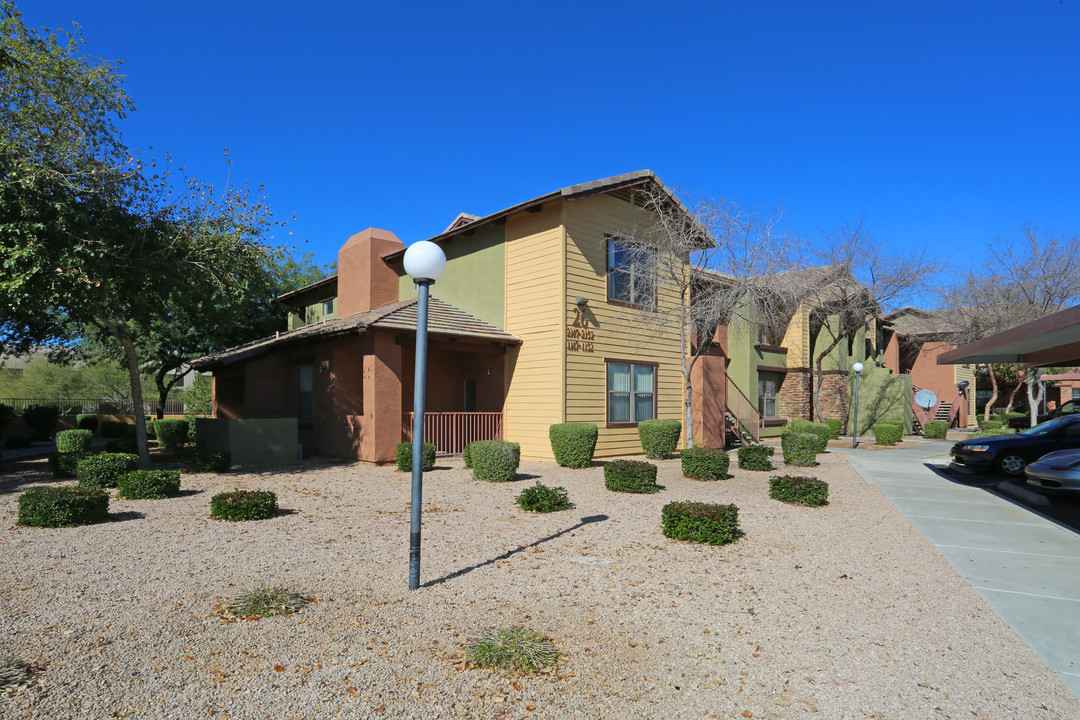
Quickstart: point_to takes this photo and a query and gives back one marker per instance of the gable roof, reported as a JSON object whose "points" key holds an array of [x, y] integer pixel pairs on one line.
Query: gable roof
{"points": [[912, 321], [444, 321]]}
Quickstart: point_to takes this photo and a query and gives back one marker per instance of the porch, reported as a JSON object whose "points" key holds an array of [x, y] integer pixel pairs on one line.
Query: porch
{"points": [[450, 432]]}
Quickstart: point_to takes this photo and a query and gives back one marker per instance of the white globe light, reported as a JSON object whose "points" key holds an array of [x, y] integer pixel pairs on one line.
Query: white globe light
{"points": [[424, 260], [857, 367]]}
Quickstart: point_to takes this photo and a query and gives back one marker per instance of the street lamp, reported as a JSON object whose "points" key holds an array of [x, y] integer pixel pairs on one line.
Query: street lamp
{"points": [[424, 262], [858, 368]]}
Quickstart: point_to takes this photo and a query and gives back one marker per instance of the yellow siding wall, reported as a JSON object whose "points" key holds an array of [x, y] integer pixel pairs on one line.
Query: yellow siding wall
{"points": [[797, 339], [620, 333], [961, 372], [534, 284]]}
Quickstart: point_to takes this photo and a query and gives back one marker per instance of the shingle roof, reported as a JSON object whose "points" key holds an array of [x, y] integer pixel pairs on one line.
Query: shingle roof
{"points": [[444, 320], [915, 321]]}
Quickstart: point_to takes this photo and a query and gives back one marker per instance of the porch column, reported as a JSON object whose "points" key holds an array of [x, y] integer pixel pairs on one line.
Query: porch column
{"points": [[709, 380], [382, 400]]}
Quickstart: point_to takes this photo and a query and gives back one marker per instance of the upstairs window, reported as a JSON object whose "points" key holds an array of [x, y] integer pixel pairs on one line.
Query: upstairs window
{"points": [[631, 273], [329, 307]]}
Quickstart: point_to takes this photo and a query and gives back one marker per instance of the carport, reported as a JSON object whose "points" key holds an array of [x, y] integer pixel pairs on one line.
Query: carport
{"points": [[1051, 340]]}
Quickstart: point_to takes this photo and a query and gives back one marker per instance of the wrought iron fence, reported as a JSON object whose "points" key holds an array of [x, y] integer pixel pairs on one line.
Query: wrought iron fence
{"points": [[99, 406], [450, 432]]}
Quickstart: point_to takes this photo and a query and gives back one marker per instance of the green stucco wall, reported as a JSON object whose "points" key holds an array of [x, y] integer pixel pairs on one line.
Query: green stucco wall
{"points": [[312, 314], [475, 277], [882, 396], [251, 441]]}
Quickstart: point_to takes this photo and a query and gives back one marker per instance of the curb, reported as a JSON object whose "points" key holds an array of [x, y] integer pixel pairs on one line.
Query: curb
{"points": [[1021, 493]]}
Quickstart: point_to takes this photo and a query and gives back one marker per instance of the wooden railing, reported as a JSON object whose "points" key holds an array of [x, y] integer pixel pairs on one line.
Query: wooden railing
{"points": [[748, 416], [450, 432]]}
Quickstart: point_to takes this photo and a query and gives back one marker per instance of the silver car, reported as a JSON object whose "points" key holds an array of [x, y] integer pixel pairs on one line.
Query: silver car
{"points": [[1058, 470]]}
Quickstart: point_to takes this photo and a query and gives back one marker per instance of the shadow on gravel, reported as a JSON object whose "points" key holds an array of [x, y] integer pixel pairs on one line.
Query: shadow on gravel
{"points": [[510, 553], [126, 515]]}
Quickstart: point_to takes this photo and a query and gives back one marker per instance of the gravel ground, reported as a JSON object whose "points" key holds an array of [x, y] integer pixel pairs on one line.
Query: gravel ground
{"points": [[844, 611]]}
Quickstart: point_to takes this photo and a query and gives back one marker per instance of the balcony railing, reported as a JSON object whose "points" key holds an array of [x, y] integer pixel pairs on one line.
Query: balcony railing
{"points": [[745, 414], [450, 432]]}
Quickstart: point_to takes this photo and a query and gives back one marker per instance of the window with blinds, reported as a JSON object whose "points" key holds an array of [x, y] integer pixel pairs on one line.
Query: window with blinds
{"points": [[631, 392]]}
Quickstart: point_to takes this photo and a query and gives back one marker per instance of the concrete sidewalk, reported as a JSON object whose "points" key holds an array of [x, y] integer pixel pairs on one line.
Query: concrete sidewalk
{"points": [[1027, 567]]}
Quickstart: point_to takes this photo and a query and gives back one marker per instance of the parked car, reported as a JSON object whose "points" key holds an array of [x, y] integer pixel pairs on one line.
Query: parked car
{"points": [[1057, 471], [1010, 454], [1072, 407]]}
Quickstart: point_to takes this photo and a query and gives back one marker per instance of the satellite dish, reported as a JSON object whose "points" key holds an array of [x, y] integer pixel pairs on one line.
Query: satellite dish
{"points": [[925, 399]]}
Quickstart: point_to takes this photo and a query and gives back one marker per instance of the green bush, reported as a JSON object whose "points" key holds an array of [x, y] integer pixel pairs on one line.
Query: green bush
{"points": [[1006, 417], [115, 429], [495, 460], [244, 505], [991, 433], [820, 430], [63, 506], [151, 430], [708, 523], [104, 470], [756, 457], [836, 426], [888, 432], [990, 423], [633, 476], [171, 434], [218, 461], [573, 443], [702, 463], [800, 490], [87, 422], [41, 421], [149, 484], [541, 498], [404, 457], [936, 429], [74, 441], [17, 442], [800, 449], [64, 465], [122, 445], [659, 438], [466, 455]]}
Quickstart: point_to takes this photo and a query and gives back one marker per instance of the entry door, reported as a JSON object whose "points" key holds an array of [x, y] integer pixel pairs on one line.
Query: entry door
{"points": [[470, 395]]}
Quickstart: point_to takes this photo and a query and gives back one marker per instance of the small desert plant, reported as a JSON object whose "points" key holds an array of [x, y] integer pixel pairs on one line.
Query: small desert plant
{"points": [[87, 421], [265, 602], [800, 490], [659, 438], [404, 457], [633, 476], [542, 499], [63, 506], [888, 432], [756, 457], [936, 429], [495, 460], [104, 470], [573, 443], [171, 434], [74, 441], [218, 461], [836, 426], [702, 463], [708, 523], [819, 430], [149, 484], [800, 449], [512, 649], [244, 505]]}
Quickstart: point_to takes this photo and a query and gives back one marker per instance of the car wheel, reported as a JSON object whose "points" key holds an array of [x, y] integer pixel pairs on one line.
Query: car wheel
{"points": [[1012, 465]]}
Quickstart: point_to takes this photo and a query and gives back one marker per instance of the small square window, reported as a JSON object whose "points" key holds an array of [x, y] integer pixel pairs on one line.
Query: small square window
{"points": [[329, 307]]}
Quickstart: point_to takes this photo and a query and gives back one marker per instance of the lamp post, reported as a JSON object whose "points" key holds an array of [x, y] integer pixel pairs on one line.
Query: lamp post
{"points": [[424, 262], [858, 368]]}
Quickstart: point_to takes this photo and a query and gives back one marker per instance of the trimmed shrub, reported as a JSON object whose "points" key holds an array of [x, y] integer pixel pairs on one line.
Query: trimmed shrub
{"points": [[1006, 417], [218, 461], [702, 463], [87, 422], [104, 470], [991, 433], [74, 441], [659, 438], [171, 434], [63, 506], [573, 443], [64, 465], [756, 457], [122, 445], [708, 523], [633, 476], [244, 505], [799, 490], [466, 455], [936, 429], [17, 442], [819, 430], [993, 423], [800, 449], [115, 429], [836, 426], [404, 457], [151, 430], [541, 498], [149, 484], [495, 460], [41, 421], [888, 432]]}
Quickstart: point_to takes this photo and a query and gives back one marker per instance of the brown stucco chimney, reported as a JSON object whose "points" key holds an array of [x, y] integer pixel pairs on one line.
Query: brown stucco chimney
{"points": [[365, 281]]}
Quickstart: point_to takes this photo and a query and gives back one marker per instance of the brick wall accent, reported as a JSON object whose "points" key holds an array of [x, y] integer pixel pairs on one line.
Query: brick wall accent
{"points": [[834, 395], [793, 397]]}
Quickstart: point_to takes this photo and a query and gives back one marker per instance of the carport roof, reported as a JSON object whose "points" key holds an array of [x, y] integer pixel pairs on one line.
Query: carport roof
{"points": [[1050, 340]]}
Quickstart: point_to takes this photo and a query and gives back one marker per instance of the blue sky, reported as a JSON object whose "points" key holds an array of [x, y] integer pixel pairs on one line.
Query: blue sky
{"points": [[945, 125]]}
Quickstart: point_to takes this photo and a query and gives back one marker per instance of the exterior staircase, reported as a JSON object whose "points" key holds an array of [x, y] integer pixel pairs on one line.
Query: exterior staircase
{"points": [[742, 421]]}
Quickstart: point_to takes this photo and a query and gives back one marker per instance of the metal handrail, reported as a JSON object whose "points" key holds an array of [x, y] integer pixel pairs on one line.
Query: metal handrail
{"points": [[450, 432], [748, 416]]}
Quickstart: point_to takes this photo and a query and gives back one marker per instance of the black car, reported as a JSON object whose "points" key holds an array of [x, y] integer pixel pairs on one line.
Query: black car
{"points": [[1009, 454], [1072, 407]]}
